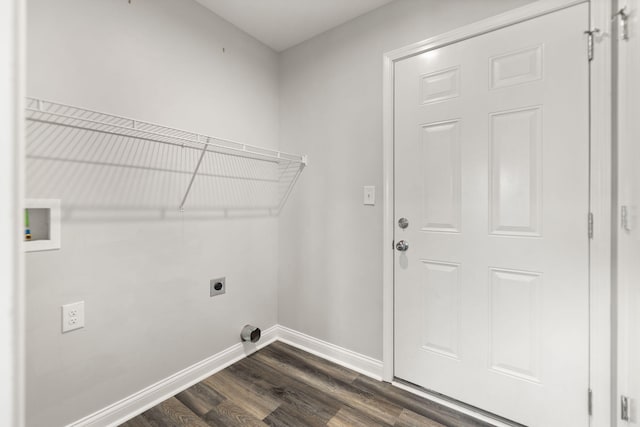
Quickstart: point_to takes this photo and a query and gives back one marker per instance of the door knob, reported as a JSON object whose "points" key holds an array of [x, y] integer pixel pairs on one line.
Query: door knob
{"points": [[402, 246]]}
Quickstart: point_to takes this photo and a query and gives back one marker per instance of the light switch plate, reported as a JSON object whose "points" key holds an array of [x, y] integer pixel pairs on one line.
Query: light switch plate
{"points": [[72, 316], [369, 195]]}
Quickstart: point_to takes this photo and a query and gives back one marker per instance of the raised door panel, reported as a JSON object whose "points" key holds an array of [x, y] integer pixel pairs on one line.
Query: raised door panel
{"points": [[440, 158], [517, 67], [516, 172], [440, 307], [515, 317]]}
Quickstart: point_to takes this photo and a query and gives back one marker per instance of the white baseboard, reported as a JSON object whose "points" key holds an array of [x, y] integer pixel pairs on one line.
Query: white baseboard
{"points": [[367, 366], [347, 358], [139, 402]]}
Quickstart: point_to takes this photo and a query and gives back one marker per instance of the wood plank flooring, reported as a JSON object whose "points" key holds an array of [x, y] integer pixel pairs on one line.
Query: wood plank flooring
{"points": [[281, 385]]}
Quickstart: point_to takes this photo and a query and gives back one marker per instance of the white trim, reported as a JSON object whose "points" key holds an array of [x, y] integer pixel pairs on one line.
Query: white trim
{"points": [[342, 356], [511, 17], [601, 204], [367, 366], [133, 405], [12, 60], [387, 219], [600, 273], [139, 402], [624, 242]]}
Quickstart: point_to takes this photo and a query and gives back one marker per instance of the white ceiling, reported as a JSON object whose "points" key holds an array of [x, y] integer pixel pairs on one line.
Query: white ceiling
{"points": [[281, 24]]}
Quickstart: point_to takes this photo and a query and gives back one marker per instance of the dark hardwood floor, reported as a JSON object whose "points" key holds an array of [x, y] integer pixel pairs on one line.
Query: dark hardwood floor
{"points": [[281, 385]]}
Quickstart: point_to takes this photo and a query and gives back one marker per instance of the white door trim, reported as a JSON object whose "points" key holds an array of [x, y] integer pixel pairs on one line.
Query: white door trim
{"points": [[11, 217], [601, 345], [600, 176], [625, 242]]}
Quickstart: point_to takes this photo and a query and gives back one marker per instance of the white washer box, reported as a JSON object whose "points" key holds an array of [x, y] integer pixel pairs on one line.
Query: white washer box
{"points": [[44, 223]]}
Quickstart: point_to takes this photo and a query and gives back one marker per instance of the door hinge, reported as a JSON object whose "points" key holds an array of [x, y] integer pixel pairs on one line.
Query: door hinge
{"points": [[590, 402], [624, 408], [590, 42], [590, 225], [624, 218], [623, 15]]}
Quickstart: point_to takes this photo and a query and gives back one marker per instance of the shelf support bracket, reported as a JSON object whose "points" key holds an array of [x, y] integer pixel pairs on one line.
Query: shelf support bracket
{"points": [[193, 178], [291, 185]]}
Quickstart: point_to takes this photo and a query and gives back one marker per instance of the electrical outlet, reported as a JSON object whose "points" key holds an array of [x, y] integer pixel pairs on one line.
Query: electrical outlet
{"points": [[72, 316], [217, 287]]}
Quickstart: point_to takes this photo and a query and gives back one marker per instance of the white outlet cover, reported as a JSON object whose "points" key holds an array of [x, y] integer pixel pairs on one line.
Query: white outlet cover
{"points": [[72, 316]]}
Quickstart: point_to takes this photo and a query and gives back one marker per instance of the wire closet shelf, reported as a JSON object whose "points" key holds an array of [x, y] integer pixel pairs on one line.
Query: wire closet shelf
{"points": [[92, 159]]}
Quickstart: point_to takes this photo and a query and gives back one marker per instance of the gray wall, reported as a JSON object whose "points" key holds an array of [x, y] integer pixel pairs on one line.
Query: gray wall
{"points": [[330, 275], [145, 280]]}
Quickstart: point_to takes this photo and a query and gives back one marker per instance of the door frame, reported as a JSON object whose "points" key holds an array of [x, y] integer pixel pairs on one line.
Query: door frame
{"points": [[12, 331], [600, 261], [626, 365]]}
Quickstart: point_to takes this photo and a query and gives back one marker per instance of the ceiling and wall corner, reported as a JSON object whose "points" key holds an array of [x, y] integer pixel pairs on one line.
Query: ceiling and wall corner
{"points": [[281, 24]]}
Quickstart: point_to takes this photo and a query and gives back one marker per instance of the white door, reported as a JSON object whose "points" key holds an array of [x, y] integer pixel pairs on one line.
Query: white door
{"points": [[629, 211], [492, 174]]}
